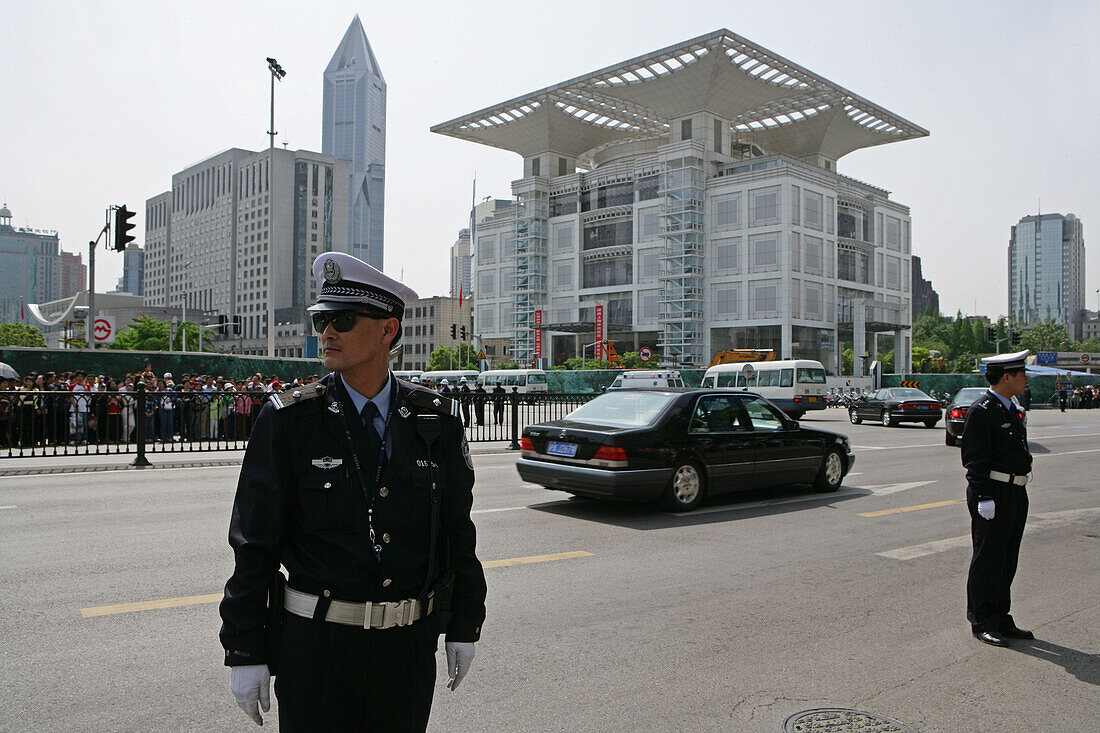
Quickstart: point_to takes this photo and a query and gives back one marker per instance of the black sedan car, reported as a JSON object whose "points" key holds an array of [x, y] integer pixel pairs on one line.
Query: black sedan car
{"points": [[894, 405], [956, 412], [679, 446]]}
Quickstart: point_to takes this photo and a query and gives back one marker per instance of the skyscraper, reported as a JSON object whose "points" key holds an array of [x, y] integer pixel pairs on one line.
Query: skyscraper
{"points": [[1046, 271], [354, 129]]}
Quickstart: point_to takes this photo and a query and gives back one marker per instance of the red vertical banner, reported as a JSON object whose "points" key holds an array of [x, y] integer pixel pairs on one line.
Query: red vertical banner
{"points": [[538, 335], [598, 356]]}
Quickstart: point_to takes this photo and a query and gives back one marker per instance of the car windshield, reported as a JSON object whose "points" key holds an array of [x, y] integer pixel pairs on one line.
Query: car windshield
{"points": [[622, 409], [967, 395], [810, 376], [536, 379], [905, 393]]}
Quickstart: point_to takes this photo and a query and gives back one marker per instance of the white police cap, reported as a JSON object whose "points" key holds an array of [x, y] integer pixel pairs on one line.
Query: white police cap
{"points": [[348, 283], [1008, 361]]}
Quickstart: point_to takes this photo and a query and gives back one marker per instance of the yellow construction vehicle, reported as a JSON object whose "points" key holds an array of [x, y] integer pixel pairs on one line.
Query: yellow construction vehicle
{"points": [[737, 356]]}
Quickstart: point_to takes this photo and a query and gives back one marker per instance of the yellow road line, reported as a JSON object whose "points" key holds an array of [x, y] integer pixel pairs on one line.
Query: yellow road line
{"points": [[899, 510], [535, 558], [150, 605], [215, 597]]}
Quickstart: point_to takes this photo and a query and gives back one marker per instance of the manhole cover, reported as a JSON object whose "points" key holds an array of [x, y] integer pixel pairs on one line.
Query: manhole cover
{"points": [[840, 720]]}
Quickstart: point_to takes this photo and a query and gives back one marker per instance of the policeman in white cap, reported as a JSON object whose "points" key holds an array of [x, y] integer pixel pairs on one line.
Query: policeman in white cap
{"points": [[360, 486], [998, 468]]}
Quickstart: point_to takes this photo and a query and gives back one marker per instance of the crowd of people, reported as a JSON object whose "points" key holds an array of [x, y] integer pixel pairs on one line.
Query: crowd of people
{"points": [[74, 408]]}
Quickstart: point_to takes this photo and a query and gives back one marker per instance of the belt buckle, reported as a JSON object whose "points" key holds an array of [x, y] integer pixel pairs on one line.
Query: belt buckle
{"points": [[391, 614]]}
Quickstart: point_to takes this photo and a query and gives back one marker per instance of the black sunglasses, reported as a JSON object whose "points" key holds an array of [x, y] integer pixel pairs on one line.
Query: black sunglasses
{"points": [[342, 321]]}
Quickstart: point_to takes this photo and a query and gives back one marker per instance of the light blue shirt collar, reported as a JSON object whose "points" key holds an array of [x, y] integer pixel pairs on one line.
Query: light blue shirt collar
{"points": [[1006, 403], [381, 401]]}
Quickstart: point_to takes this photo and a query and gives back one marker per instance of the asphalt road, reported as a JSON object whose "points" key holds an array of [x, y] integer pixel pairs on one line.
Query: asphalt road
{"points": [[617, 618]]}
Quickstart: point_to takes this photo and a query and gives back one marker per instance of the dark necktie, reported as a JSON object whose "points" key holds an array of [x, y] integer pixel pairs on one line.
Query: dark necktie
{"points": [[370, 412]]}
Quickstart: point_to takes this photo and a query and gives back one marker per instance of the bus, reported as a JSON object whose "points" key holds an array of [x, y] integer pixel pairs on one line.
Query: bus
{"points": [[451, 375], [407, 374], [795, 386], [524, 380]]}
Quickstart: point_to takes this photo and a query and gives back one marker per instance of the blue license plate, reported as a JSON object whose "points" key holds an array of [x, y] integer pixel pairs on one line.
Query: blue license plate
{"points": [[924, 407], [562, 449]]}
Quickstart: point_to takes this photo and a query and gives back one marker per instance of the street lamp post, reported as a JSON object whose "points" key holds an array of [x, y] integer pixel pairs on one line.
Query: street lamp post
{"points": [[277, 73]]}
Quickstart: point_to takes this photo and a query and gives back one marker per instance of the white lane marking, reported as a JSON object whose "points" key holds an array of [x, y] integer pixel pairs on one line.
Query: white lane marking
{"points": [[12, 506], [1035, 523], [887, 489], [856, 473], [769, 502], [1066, 453]]}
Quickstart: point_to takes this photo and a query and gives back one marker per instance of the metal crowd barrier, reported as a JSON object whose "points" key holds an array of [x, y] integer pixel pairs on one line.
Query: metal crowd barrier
{"points": [[63, 423]]}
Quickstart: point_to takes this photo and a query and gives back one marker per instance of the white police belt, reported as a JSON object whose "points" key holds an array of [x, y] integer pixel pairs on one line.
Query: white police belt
{"points": [[380, 615], [1010, 478]]}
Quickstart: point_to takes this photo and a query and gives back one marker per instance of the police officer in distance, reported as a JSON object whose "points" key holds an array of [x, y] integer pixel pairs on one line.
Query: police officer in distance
{"points": [[360, 485], [998, 468]]}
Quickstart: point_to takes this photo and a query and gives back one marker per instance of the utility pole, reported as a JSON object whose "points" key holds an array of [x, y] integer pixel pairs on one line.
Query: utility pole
{"points": [[277, 72], [89, 322]]}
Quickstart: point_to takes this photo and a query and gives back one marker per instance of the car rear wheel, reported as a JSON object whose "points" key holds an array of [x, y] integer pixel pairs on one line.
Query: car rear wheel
{"points": [[950, 439], [853, 417], [685, 488], [831, 474], [887, 421], [929, 423]]}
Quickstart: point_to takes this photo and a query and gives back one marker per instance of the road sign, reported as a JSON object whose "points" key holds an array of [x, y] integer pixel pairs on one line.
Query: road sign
{"points": [[103, 332], [645, 353], [481, 355], [1085, 358]]}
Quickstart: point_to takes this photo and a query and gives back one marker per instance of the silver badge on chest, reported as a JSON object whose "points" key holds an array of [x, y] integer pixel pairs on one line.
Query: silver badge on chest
{"points": [[327, 462]]}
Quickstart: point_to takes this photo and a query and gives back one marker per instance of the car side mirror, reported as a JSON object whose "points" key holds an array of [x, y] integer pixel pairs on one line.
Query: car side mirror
{"points": [[792, 425]]}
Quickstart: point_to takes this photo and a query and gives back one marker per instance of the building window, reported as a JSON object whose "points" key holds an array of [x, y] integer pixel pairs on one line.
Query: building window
{"points": [[603, 273], [685, 129], [893, 273], [487, 287], [893, 233], [812, 206], [813, 301], [563, 167], [647, 303], [649, 226], [764, 206], [536, 166], [608, 235], [765, 299], [814, 255], [726, 211], [486, 250], [726, 253], [718, 136], [563, 238], [725, 302], [563, 276], [486, 319], [648, 264], [763, 253]]}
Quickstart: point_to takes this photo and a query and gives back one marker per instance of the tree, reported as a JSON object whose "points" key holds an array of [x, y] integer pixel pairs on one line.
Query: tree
{"points": [[930, 326], [1048, 336], [20, 334], [149, 334], [961, 337], [445, 358]]}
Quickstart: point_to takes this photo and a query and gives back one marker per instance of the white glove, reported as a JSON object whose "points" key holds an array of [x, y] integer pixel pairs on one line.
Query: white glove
{"points": [[460, 655], [986, 509], [251, 684]]}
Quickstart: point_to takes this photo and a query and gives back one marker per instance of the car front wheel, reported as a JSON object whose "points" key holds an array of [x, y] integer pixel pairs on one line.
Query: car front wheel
{"points": [[831, 473], [853, 417], [887, 421], [685, 488], [950, 439]]}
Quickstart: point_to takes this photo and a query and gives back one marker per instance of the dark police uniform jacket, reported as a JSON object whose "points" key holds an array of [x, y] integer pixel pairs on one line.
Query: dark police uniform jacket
{"points": [[300, 503], [994, 439]]}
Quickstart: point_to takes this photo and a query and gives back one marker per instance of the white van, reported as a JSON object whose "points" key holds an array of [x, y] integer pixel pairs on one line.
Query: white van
{"points": [[407, 374], [648, 378], [451, 375], [524, 380], [795, 386]]}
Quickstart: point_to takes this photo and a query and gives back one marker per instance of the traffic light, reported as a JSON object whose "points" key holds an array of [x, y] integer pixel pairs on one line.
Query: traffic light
{"points": [[463, 332], [1015, 338], [991, 334], [237, 324], [123, 227], [222, 320], [454, 331]]}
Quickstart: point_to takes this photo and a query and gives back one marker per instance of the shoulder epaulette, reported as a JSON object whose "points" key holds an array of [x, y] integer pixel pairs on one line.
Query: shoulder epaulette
{"points": [[425, 399], [293, 395]]}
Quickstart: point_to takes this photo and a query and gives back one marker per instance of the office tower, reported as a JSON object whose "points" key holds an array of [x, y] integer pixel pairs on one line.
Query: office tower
{"points": [[1046, 271], [30, 267], [354, 129]]}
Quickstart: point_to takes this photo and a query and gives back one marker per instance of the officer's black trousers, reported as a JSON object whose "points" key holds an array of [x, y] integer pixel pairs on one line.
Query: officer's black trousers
{"points": [[333, 677], [996, 552]]}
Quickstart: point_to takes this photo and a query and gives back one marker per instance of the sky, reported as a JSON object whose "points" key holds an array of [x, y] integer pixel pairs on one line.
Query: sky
{"points": [[101, 102]]}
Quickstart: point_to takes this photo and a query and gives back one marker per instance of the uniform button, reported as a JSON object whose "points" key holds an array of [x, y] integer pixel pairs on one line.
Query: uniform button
{"points": [[328, 485], [386, 583], [327, 593], [385, 536], [383, 492]]}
